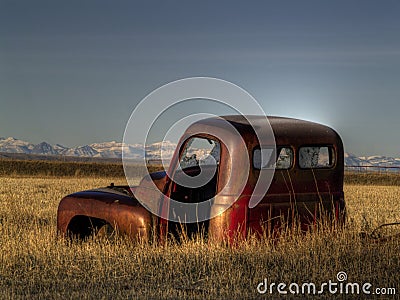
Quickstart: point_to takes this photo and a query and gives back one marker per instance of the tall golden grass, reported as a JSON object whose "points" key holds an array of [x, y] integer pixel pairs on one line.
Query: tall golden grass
{"points": [[37, 264]]}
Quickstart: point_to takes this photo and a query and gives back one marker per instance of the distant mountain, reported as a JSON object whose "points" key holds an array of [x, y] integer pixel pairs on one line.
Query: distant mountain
{"points": [[108, 149], [166, 149], [371, 161], [113, 150], [44, 148], [60, 149], [352, 160], [85, 151], [12, 145]]}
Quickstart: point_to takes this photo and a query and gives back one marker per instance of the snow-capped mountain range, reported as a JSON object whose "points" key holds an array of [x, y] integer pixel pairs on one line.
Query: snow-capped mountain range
{"points": [[114, 150], [371, 161], [97, 150]]}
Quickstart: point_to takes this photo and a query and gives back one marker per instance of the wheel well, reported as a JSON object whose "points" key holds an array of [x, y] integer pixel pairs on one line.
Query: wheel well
{"points": [[82, 227]]}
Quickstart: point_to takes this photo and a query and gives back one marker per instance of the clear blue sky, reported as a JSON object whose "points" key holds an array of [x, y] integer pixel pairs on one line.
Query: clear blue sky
{"points": [[72, 71]]}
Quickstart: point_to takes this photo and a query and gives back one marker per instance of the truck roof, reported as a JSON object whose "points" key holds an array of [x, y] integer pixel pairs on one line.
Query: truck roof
{"points": [[286, 130]]}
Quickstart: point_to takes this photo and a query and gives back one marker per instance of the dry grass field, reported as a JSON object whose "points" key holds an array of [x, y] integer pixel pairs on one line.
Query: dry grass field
{"points": [[37, 264]]}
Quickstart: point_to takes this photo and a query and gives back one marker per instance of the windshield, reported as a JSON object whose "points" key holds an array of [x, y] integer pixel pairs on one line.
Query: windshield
{"points": [[200, 151]]}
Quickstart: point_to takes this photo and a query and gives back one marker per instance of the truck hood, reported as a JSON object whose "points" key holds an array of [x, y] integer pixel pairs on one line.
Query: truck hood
{"points": [[106, 194]]}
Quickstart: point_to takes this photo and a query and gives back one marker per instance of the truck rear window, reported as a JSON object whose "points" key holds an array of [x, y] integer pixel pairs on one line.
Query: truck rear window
{"points": [[314, 157]]}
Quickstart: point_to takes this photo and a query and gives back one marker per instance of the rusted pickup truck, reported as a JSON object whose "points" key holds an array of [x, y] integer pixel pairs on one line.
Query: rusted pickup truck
{"points": [[307, 183]]}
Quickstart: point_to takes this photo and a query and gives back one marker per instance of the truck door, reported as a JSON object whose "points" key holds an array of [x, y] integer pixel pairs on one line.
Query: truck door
{"points": [[198, 160]]}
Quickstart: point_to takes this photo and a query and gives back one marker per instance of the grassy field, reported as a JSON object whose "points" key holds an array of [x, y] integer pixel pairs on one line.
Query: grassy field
{"points": [[36, 264], [108, 169], [66, 169]]}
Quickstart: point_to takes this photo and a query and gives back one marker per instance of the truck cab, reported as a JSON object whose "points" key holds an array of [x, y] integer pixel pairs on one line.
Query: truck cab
{"points": [[306, 184]]}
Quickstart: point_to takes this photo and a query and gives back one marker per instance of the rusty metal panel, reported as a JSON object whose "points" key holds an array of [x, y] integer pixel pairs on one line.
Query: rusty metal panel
{"points": [[124, 213]]}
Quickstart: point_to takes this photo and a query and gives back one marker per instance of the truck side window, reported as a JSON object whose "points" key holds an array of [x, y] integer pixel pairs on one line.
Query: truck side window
{"points": [[262, 158], [284, 159], [316, 157], [200, 151]]}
